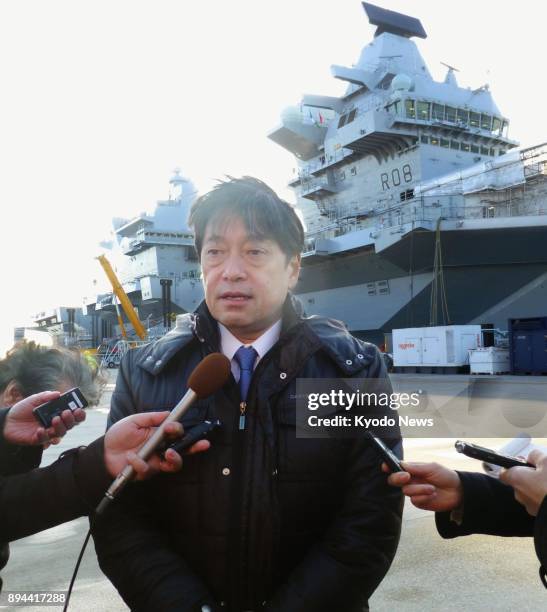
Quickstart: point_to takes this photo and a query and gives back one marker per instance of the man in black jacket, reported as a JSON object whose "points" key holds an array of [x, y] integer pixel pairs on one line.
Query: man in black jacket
{"points": [[266, 520], [467, 502]]}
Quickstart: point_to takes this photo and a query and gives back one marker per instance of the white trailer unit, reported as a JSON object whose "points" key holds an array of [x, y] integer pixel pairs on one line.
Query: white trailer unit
{"points": [[435, 347], [490, 360]]}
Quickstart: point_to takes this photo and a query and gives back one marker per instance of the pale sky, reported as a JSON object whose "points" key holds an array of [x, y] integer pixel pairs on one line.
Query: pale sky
{"points": [[101, 100]]}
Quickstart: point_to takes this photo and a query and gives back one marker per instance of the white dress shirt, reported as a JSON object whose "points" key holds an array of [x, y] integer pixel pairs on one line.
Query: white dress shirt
{"points": [[229, 344]]}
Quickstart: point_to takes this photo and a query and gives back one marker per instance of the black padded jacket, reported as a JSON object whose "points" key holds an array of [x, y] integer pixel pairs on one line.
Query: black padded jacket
{"points": [[264, 519]]}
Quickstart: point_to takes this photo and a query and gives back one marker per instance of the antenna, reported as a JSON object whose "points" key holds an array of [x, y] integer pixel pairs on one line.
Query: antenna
{"points": [[395, 23], [450, 67]]}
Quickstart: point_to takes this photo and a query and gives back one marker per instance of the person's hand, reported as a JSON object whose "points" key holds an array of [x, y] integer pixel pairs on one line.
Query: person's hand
{"points": [[123, 440], [430, 486], [530, 484], [22, 427]]}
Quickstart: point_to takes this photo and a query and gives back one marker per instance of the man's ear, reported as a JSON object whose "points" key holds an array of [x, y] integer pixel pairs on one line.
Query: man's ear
{"points": [[294, 266], [12, 394]]}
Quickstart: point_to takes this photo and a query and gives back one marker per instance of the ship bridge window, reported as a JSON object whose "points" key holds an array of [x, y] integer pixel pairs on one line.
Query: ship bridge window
{"points": [[410, 108], [486, 122], [424, 139], [434, 141], [438, 112], [351, 116], [474, 120], [502, 152], [394, 107], [463, 116], [342, 121], [485, 151], [492, 151], [450, 114], [496, 126], [474, 149], [465, 146], [454, 144], [445, 143], [423, 110], [503, 127]]}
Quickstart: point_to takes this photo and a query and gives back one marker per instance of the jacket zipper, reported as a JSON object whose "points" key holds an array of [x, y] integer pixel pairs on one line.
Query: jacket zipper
{"points": [[242, 409]]}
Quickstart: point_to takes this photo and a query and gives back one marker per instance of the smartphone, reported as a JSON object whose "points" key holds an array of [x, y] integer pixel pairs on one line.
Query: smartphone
{"points": [[489, 456], [385, 453], [71, 400], [193, 435]]}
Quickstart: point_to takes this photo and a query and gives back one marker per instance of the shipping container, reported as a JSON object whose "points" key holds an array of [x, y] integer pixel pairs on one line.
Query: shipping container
{"points": [[528, 345], [444, 347]]}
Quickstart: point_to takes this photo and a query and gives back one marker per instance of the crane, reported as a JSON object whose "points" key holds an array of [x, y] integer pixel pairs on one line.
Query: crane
{"points": [[123, 299]]}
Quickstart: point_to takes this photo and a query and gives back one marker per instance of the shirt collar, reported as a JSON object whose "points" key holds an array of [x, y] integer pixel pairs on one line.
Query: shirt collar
{"points": [[229, 344]]}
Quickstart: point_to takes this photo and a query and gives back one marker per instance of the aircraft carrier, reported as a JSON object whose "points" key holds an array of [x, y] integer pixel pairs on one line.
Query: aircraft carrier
{"points": [[419, 209]]}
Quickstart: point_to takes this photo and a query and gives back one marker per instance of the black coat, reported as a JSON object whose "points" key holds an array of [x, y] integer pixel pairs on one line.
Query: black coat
{"points": [[490, 507], [306, 524], [32, 500]]}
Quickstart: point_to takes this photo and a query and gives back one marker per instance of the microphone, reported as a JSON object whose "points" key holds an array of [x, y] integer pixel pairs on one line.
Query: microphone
{"points": [[207, 378]]}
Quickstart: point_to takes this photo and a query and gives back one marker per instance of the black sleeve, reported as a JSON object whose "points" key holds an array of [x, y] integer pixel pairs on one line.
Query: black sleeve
{"points": [[540, 533], [45, 497], [489, 507], [133, 551], [345, 568], [15, 459]]}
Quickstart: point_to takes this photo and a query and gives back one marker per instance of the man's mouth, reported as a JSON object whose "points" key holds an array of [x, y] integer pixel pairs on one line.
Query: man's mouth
{"points": [[235, 296]]}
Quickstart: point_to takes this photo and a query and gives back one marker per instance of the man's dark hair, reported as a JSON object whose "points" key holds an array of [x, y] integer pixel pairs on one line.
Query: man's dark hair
{"points": [[264, 214]]}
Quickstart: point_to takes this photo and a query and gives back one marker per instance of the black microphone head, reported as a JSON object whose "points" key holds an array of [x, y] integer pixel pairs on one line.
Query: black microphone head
{"points": [[209, 375]]}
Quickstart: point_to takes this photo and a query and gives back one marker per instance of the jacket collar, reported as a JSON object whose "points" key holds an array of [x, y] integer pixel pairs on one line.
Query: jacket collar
{"points": [[300, 337]]}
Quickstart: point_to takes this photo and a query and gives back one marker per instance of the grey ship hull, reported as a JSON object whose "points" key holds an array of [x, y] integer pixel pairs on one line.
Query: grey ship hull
{"points": [[489, 276]]}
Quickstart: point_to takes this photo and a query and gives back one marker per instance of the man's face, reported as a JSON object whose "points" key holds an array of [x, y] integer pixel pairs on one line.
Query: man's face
{"points": [[246, 279]]}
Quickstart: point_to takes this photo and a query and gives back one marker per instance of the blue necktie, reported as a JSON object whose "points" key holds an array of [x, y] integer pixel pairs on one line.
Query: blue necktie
{"points": [[245, 357]]}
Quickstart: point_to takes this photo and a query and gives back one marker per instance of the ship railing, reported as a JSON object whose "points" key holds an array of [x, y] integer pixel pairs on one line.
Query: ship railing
{"points": [[325, 161], [535, 169], [314, 185], [486, 210], [533, 152], [163, 238], [427, 214]]}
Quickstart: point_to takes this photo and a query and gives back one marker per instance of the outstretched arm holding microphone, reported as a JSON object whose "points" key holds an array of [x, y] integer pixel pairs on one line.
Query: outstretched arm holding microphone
{"points": [[74, 484], [470, 502]]}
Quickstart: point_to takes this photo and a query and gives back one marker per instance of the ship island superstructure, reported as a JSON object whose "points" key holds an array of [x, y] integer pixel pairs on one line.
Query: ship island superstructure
{"points": [[149, 253], [419, 208]]}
